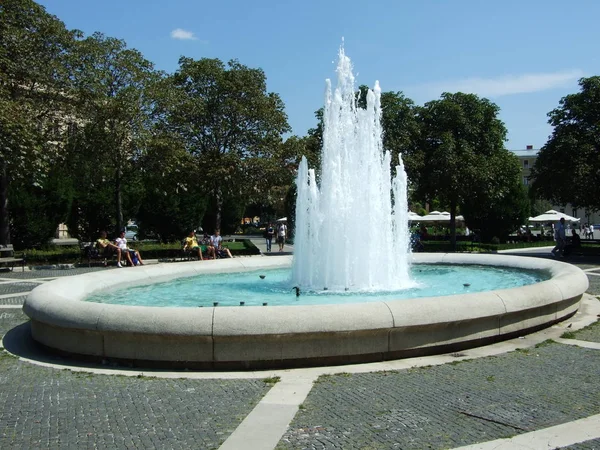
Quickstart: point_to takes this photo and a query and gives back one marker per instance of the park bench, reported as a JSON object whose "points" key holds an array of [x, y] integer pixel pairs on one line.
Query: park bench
{"points": [[91, 251], [8, 259]]}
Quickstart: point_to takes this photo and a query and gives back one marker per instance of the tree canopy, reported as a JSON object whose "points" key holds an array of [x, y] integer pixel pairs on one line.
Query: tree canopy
{"points": [[567, 168], [112, 84], [229, 123], [463, 156], [33, 82]]}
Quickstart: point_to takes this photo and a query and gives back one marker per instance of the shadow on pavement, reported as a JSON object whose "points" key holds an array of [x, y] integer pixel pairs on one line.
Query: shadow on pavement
{"points": [[573, 258], [19, 342]]}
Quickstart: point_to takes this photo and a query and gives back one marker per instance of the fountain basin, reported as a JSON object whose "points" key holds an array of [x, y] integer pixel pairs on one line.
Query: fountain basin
{"points": [[251, 337]]}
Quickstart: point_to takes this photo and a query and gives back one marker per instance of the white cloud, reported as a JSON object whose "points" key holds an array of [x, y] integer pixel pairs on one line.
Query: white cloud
{"points": [[180, 33], [506, 85]]}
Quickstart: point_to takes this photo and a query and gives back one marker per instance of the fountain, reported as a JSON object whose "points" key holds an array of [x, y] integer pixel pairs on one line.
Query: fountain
{"points": [[335, 249], [355, 180]]}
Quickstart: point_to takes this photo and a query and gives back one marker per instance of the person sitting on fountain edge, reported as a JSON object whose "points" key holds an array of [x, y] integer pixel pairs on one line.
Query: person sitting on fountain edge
{"points": [[216, 248], [191, 243]]}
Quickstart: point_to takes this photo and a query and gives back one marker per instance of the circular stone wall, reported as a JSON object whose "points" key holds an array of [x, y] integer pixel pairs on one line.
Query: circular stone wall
{"points": [[249, 337]]}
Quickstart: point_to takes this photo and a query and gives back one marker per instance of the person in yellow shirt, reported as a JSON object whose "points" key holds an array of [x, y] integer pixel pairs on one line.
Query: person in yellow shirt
{"points": [[104, 245], [191, 243]]}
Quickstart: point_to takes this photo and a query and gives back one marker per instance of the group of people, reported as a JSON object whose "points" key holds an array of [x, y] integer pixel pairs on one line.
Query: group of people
{"points": [[588, 231], [213, 246], [270, 233], [125, 255], [119, 245]]}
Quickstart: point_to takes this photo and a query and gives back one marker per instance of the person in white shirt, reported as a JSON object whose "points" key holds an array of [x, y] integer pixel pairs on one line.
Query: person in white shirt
{"points": [[215, 248], [281, 234], [133, 256]]}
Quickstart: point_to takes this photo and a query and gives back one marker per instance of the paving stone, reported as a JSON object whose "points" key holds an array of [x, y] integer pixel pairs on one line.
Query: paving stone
{"points": [[51, 273], [451, 405], [594, 288], [18, 300], [590, 333], [437, 407], [43, 407], [587, 445], [10, 318], [11, 288]]}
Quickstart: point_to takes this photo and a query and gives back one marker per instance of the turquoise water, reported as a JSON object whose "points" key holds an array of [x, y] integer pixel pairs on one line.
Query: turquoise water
{"points": [[229, 289]]}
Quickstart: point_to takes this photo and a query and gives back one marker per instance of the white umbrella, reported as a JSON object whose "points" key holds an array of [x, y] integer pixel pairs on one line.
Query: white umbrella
{"points": [[283, 219], [412, 216], [553, 216], [435, 216]]}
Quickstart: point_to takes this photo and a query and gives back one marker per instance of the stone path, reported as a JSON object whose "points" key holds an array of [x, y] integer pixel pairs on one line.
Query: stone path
{"points": [[524, 393]]}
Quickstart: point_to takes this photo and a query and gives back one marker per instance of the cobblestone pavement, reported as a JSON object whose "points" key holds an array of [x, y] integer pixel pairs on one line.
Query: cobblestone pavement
{"points": [[594, 288], [450, 405], [13, 300], [12, 288], [50, 273], [432, 407], [590, 333], [10, 318], [588, 445], [49, 408]]}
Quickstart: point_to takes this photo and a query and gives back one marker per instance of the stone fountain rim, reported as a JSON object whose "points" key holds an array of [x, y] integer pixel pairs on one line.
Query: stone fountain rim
{"points": [[73, 290], [61, 320]]}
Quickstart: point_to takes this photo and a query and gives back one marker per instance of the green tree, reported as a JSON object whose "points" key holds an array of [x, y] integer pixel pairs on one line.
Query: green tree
{"points": [[567, 168], [38, 209], [400, 130], [462, 141], [498, 214], [173, 200], [113, 87], [229, 123], [33, 83], [400, 133]]}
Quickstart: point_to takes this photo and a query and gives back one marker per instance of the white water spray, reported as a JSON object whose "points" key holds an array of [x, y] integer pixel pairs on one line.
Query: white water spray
{"points": [[349, 236]]}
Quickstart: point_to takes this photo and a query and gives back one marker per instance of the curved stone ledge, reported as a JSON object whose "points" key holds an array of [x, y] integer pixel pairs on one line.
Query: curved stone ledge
{"points": [[284, 336]]}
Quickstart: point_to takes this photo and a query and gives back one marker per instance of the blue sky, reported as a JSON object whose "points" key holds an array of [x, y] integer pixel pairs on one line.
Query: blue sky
{"points": [[522, 55]]}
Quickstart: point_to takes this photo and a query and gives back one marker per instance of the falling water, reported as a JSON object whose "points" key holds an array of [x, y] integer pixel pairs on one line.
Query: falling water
{"points": [[352, 230]]}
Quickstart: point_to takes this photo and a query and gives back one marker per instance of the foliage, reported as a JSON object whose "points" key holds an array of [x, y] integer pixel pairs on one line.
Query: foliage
{"points": [[539, 206], [314, 144], [173, 202], [229, 123], [567, 168], [499, 215], [400, 133], [36, 210], [112, 85], [462, 141], [33, 79]]}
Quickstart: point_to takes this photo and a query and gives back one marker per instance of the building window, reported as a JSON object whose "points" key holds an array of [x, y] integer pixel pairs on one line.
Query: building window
{"points": [[526, 181], [574, 213], [526, 164]]}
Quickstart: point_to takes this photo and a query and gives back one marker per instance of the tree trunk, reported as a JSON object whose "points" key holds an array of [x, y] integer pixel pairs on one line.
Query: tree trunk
{"points": [[4, 218], [453, 225], [219, 208], [119, 200]]}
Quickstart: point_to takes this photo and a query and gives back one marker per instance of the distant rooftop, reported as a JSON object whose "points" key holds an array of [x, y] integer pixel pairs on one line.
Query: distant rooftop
{"points": [[529, 151]]}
